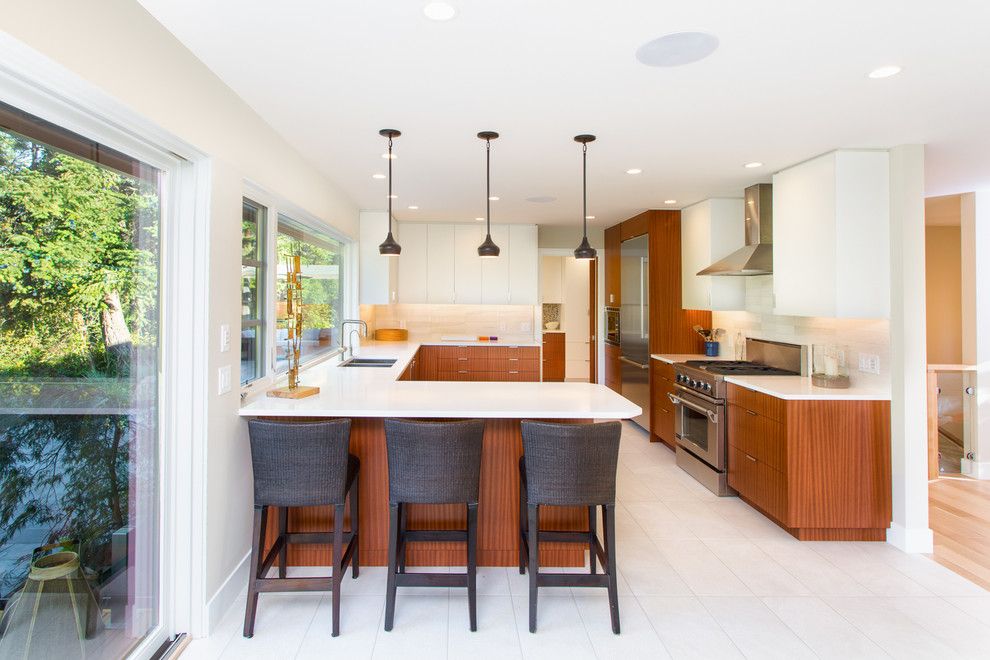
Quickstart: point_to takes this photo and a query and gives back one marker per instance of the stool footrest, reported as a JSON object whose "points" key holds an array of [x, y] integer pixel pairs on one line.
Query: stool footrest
{"points": [[571, 580], [263, 585], [431, 579], [414, 535]]}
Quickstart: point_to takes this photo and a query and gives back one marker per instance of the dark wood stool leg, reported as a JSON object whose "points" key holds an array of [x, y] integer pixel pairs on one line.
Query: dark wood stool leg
{"points": [[592, 531], [608, 522], [393, 540], [523, 559], [534, 561], [283, 529], [257, 552], [338, 572], [403, 521], [355, 558], [472, 563]]}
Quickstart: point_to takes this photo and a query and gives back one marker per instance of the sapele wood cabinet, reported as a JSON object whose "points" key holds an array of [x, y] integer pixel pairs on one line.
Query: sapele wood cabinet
{"points": [[820, 469], [479, 363], [553, 356], [662, 408]]}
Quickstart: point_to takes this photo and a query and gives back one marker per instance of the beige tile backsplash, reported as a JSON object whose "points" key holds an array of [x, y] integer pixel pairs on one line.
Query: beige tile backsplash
{"points": [[510, 322], [870, 336]]}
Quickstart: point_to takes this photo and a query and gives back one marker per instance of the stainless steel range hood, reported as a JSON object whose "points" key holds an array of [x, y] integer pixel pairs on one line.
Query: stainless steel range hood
{"points": [[756, 258]]}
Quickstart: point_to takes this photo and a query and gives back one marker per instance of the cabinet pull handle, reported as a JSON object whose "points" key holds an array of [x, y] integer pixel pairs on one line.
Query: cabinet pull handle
{"points": [[750, 412], [664, 410], [750, 458], [513, 359], [462, 371], [513, 372]]}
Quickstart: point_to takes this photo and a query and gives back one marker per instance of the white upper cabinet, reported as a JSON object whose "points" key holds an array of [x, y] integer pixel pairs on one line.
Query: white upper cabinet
{"points": [[440, 266], [495, 271], [711, 230], [551, 280], [831, 232], [413, 263], [467, 263], [523, 264], [378, 274]]}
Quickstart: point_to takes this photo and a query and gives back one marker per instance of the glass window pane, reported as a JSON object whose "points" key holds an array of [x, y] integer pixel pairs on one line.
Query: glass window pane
{"points": [[250, 353], [249, 230], [79, 303], [320, 257], [249, 292]]}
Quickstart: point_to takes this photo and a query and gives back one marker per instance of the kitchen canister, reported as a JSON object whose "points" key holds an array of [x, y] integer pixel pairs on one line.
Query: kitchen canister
{"points": [[711, 348]]}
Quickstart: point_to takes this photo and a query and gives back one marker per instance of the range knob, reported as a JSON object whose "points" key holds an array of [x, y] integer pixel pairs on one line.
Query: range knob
{"points": [[708, 387], [693, 383], [681, 378]]}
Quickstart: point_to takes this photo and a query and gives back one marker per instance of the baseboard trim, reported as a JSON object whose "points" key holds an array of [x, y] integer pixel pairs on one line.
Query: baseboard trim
{"points": [[975, 469], [225, 596], [917, 540]]}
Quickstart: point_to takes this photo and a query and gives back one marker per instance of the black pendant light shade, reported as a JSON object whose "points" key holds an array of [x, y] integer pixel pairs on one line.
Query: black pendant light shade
{"points": [[585, 251], [389, 247], [488, 249]]}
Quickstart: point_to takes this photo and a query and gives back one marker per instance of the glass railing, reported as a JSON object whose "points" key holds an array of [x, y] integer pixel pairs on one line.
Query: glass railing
{"points": [[951, 390]]}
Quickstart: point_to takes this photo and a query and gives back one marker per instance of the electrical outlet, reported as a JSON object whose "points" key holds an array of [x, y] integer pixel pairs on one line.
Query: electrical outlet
{"points": [[869, 363], [223, 380], [224, 337]]}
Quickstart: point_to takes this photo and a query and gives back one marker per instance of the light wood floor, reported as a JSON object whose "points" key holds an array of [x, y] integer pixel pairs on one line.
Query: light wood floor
{"points": [[959, 512]]}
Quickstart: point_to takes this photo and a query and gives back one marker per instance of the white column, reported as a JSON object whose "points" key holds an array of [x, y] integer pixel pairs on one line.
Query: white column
{"points": [[975, 221], [909, 529]]}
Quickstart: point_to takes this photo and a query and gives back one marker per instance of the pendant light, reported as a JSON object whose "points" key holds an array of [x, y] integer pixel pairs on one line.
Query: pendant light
{"points": [[585, 251], [389, 247], [488, 249]]}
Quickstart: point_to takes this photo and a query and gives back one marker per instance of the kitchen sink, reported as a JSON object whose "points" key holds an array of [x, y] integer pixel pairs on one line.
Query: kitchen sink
{"points": [[368, 362]]}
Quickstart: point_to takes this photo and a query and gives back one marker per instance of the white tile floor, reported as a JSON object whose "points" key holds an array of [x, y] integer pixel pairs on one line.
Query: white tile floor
{"points": [[701, 577]]}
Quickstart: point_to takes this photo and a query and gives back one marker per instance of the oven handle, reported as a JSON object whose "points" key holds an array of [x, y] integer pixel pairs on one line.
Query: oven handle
{"points": [[678, 401]]}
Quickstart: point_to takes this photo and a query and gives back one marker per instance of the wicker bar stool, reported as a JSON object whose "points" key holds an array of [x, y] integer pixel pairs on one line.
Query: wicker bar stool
{"points": [[432, 463], [569, 465], [301, 464]]}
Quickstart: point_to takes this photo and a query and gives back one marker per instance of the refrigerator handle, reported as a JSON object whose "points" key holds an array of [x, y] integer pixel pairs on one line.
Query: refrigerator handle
{"points": [[642, 315]]}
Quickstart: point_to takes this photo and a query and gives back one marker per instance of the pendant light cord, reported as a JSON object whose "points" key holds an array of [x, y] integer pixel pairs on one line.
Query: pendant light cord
{"points": [[488, 188], [584, 185], [390, 185]]}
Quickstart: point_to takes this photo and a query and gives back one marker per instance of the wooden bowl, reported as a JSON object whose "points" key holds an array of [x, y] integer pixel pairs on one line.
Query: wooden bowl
{"points": [[391, 334]]}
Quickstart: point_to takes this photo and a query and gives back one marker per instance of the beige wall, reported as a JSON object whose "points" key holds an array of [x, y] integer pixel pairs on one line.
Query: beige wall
{"points": [[943, 279], [118, 47]]}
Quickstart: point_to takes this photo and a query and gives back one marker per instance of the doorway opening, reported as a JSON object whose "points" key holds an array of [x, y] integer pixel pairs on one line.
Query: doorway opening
{"points": [[568, 319]]}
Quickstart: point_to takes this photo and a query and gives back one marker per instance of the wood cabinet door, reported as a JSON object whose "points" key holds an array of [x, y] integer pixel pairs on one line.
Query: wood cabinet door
{"points": [[613, 369], [553, 356], [613, 266]]}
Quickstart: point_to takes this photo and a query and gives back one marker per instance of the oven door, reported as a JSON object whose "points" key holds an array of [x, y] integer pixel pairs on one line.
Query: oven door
{"points": [[698, 427]]}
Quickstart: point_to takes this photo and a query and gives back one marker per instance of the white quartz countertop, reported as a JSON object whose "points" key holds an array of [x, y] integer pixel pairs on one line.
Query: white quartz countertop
{"points": [[674, 358], [375, 392], [800, 388]]}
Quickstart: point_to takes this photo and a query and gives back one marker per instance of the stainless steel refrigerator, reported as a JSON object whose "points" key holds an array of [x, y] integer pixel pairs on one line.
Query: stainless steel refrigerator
{"points": [[634, 325]]}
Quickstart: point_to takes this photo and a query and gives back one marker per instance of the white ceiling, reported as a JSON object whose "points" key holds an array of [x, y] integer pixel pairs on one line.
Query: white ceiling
{"points": [[787, 82]]}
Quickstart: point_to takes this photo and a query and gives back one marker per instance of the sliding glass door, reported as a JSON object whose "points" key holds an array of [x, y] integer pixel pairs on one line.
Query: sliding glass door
{"points": [[79, 394]]}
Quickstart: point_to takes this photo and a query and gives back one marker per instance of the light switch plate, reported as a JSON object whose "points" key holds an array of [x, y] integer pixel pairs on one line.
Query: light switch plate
{"points": [[224, 337], [869, 363], [223, 380]]}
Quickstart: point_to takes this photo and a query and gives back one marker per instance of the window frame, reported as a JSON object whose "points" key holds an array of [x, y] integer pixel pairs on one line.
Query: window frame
{"points": [[276, 206], [259, 262]]}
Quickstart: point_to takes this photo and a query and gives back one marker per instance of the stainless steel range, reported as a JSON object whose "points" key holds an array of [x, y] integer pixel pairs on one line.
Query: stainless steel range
{"points": [[700, 424]]}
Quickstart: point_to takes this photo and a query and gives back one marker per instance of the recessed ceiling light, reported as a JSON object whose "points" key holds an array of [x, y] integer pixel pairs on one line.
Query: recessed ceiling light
{"points": [[677, 49], [885, 71], [480, 219], [541, 199], [389, 156], [393, 197], [493, 198], [377, 176], [589, 217], [753, 165], [439, 11], [670, 201], [413, 208], [634, 170]]}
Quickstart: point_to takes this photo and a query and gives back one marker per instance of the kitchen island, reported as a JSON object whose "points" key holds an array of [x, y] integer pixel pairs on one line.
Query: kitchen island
{"points": [[368, 395]]}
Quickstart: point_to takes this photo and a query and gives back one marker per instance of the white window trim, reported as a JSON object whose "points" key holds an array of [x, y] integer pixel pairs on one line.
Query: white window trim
{"points": [[45, 89], [277, 205]]}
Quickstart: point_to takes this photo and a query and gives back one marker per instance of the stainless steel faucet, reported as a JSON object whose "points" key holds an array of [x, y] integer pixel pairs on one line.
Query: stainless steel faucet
{"points": [[346, 345]]}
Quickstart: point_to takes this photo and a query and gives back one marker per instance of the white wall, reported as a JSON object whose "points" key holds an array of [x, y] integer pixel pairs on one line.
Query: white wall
{"points": [[118, 47], [975, 226]]}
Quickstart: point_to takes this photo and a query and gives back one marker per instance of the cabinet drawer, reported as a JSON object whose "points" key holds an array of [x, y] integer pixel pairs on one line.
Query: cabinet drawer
{"points": [[743, 471], [759, 483], [515, 376], [758, 436], [520, 352], [464, 363], [514, 364], [757, 402], [663, 371], [460, 374]]}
